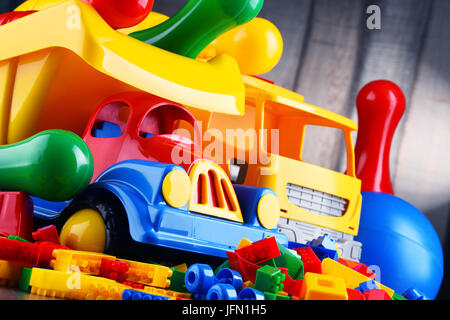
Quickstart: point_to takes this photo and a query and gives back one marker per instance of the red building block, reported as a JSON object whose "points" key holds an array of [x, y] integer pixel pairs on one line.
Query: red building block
{"points": [[48, 234], [16, 214], [244, 267], [18, 251], [291, 286], [376, 294], [359, 267], [260, 251], [112, 269], [355, 294], [311, 263]]}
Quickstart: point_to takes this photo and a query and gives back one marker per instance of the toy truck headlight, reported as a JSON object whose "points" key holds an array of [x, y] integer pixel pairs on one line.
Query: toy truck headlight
{"points": [[268, 211], [176, 188]]}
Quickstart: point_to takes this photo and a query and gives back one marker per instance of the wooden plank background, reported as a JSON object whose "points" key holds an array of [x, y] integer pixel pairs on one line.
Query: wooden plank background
{"points": [[330, 54]]}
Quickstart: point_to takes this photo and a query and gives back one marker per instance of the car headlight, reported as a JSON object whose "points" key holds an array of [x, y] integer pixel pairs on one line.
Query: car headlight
{"points": [[269, 211], [176, 188]]}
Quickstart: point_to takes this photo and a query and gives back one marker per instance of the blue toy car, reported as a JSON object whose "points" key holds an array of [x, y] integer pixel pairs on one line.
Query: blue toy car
{"points": [[136, 202]]}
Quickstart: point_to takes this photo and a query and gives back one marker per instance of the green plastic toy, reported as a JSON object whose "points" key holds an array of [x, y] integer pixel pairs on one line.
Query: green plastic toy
{"points": [[198, 23], [54, 165]]}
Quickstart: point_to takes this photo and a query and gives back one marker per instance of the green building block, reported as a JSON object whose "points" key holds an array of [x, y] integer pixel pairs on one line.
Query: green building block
{"points": [[396, 296], [12, 237], [24, 282], [177, 281], [270, 262], [292, 261], [224, 265], [269, 279], [272, 296]]}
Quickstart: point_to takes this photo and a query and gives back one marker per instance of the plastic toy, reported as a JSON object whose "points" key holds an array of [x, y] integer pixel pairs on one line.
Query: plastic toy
{"points": [[335, 208], [414, 294], [129, 294], [323, 287], [386, 220], [16, 214], [48, 233], [376, 294], [257, 46], [198, 23], [11, 16], [54, 165]]}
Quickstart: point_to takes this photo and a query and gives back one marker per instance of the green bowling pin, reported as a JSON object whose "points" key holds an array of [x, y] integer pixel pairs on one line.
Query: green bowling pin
{"points": [[198, 23], [54, 165]]}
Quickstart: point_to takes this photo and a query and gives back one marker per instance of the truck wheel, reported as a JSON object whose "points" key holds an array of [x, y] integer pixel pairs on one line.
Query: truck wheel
{"points": [[94, 221]]}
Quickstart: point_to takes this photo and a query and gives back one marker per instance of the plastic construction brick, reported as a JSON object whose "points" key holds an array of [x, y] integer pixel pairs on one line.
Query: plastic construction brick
{"points": [[368, 285], [112, 269], [311, 263], [18, 251], [324, 241], [45, 255], [12, 237], [323, 287], [221, 291], [273, 296], [260, 251], [292, 261], [24, 282], [351, 277], [230, 276], [74, 285], [167, 293], [291, 286], [414, 294], [376, 294], [10, 273], [177, 281], [251, 294], [129, 294], [244, 267], [83, 261], [357, 266], [49, 233], [321, 253], [134, 285], [199, 279], [269, 279], [354, 294], [396, 296], [148, 274]]}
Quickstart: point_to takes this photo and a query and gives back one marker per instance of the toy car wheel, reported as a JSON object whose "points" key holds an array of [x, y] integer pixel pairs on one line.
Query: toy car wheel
{"points": [[94, 221]]}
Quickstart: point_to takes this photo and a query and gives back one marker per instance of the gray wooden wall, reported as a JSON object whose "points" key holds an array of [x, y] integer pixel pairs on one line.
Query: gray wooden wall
{"points": [[330, 54]]}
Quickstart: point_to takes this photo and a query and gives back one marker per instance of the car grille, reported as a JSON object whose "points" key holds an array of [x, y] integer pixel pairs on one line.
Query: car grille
{"points": [[316, 201]]}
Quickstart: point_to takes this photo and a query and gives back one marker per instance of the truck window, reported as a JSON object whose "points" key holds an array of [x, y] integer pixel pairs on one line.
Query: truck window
{"points": [[111, 121]]}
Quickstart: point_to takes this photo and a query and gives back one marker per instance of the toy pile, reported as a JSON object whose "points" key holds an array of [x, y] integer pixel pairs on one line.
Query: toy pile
{"points": [[263, 270]]}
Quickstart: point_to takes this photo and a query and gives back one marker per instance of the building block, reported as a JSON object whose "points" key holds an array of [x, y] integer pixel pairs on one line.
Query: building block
{"points": [[74, 285], [323, 287], [269, 279], [12, 237], [291, 286], [49, 233], [414, 294], [321, 253], [181, 267], [18, 251], [290, 260], [148, 274], [221, 291], [368, 285], [357, 266], [16, 214], [86, 262], [129, 294], [244, 267], [112, 269], [251, 294], [260, 251], [396, 296], [273, 296], [351, 277], [376, 294], [24, 282], [134, 285], [311, 263], [354, 294], [324, 241], [166, 293], [10, 273], [177, 281], [230, 276], [243, 243]]}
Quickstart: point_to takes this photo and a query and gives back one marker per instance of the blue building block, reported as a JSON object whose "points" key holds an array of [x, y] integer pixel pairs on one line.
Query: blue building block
{"points": [[251, 294], [323, 242], [222, 291], [129, 294], [368, 285], [414, 294]]}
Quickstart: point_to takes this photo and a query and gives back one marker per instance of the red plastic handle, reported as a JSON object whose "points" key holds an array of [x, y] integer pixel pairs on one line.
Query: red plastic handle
{"points": [[380, 106], [122, 13]]}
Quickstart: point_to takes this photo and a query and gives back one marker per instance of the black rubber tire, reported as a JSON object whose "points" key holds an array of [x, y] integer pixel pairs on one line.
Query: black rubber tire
{"points": [[113, 214]]}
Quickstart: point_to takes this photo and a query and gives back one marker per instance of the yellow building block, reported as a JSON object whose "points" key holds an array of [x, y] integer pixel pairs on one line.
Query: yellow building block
{"points": [[351, 277], [243, 243], [323, 287], [181, 267], [74, 285], [148, 274], [87, 262], [164, 292], [10, 273]]}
